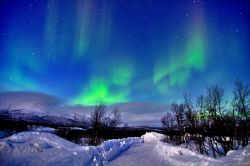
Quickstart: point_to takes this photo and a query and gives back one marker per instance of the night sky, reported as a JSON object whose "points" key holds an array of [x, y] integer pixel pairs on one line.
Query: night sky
{"points": [[91, 51]]}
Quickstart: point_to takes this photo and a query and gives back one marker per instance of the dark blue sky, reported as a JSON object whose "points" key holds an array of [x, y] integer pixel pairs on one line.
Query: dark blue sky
{"points": [[123, 51]]}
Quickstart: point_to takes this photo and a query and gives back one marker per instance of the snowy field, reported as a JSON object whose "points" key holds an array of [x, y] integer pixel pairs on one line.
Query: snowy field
{"points": [[42, 148]]}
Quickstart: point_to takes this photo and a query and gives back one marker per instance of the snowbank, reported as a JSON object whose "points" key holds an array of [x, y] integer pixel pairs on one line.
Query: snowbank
{"points": [[238, 157], [157, 153], [177, 155], [43, 148], [152, 137]]}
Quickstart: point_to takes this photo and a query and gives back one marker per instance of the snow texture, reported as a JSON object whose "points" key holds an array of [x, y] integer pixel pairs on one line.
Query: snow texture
{"points": [[43, 148]]}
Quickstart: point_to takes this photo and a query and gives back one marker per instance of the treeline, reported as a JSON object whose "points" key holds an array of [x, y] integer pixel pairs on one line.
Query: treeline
{"points": [[102, 126], [211, 123]]}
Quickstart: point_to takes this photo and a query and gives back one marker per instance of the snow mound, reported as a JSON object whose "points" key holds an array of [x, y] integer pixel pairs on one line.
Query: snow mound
{"points": [[43, 148], [152, 137], [43, 140], [238, 157], [176, 155], [111, 149], [158, 153], [34, 148]]}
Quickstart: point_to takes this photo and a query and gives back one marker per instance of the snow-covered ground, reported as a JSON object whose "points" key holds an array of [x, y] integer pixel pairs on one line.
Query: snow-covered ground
{"points": [[42, 148]]}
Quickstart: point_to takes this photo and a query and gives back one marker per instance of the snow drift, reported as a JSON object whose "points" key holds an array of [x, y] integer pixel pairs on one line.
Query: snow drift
{"points": [[42, 148]]}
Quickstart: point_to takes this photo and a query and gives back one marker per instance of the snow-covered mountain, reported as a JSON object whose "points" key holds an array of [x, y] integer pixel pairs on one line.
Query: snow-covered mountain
{"points": [[32, 108], [32, 117]]}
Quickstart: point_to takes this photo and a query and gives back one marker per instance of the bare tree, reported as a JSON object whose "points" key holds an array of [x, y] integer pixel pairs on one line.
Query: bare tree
{"points": [[167, 120], [242, 99], [97, 116], [189, 111], [220, 126], [241, 102], [97, 120], [214, 103], [202, 112], [178, 111], [115, 118]]}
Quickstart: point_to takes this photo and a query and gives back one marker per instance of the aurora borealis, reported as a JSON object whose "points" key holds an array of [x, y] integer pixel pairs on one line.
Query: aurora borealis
{"points": [[87, 51]]}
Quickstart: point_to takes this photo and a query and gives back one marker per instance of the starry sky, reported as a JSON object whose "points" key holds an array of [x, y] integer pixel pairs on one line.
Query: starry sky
{"points": [[118, 51]]}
